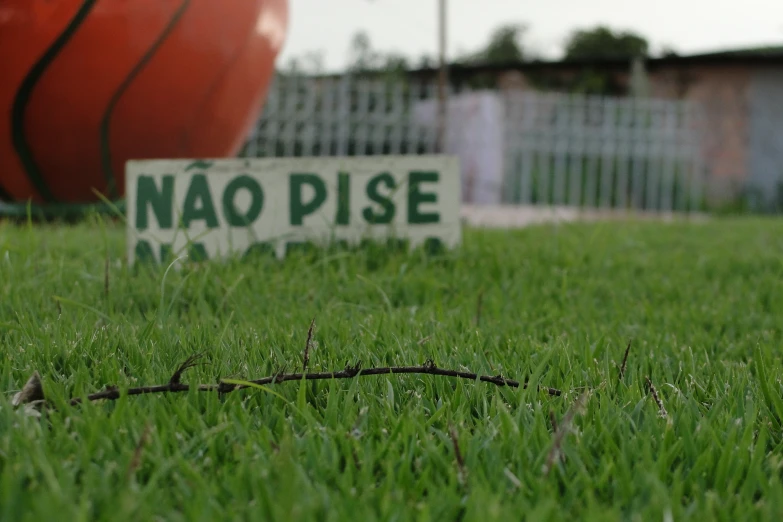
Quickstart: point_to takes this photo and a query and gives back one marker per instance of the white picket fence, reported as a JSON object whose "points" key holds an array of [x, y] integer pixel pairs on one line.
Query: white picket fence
{"points": [[516, 147], [604, 152]]}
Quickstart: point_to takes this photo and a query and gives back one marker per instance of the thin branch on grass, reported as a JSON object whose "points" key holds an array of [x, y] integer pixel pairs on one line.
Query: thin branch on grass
{"points": [[625, 361], [175, 384], [190, 362], [553, 421], [31, 396], [306, 357], [463, 475], [136, 459], [563, 428], [658, 401], [31, 393]]}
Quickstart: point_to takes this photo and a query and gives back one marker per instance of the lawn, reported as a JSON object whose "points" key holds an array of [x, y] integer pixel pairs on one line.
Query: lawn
{"points": [[556, 307]]}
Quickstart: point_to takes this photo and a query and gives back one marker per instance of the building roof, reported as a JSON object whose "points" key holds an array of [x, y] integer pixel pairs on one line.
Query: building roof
{"points": [[751, 52], [770, 55], [758, 56]]}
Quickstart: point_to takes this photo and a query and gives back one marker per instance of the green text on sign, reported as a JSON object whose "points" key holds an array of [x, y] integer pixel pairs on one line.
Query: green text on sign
{"points": [[352, 198]]}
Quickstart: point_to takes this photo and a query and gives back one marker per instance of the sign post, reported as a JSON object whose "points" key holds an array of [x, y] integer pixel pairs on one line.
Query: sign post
{"points": [[216, 208]]}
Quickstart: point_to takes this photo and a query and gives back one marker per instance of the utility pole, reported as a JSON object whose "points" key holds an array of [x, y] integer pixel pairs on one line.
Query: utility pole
{"points": [[442, 76]]}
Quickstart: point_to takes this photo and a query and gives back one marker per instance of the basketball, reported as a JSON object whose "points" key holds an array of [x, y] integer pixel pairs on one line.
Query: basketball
{"points": [[87, 85]]}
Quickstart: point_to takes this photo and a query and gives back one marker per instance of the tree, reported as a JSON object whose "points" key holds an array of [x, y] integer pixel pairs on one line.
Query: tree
{"points": [[669, 52], [362, 56], [426, 62], [504, 46], [365, 59], [603, 43], [394, 63], [311, 62]]}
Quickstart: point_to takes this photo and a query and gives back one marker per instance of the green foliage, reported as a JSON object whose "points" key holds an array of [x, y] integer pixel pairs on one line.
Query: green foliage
{"points": [[366, 61], [504, 47], [362, 56], [701, 302], [603, 43], [598, 43], [587, 80]]}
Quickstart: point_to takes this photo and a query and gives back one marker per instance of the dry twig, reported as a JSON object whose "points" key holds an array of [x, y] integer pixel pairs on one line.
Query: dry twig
{"points": [[190, 362], [658, 401], [565, 426], [31, 392], [458, 456], [625, 361], [136, 459], [175, 384], [306, 357]]}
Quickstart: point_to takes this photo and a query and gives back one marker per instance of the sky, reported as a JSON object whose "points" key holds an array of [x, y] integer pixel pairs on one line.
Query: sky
{"points": [[409, 27]]}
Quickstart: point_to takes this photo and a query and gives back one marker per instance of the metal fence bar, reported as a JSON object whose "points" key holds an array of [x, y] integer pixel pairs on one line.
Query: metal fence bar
{"points": [[594, 113], [668, 159], [577, 150], [528, 109], [638, 119], [326, 95], [608, 152], [622, 133], [577, 117], [310, 123], [656, 150]]}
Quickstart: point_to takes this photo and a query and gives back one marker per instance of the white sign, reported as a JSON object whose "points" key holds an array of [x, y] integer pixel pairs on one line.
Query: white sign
{"points": [[215, 208]]}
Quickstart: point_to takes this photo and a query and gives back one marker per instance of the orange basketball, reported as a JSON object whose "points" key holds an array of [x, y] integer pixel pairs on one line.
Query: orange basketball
{"points": [[86, 85]]}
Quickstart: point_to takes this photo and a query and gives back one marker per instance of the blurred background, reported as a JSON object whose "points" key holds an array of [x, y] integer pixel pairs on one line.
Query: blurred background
{"points": [[612, 105]]}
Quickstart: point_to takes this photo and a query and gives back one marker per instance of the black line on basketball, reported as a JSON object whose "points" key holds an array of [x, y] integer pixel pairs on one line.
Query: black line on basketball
{"points": [[23, 98], [108, 171]]}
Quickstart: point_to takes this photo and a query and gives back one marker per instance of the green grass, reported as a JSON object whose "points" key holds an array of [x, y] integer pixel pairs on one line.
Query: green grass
{"points": [[702, 303]]}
